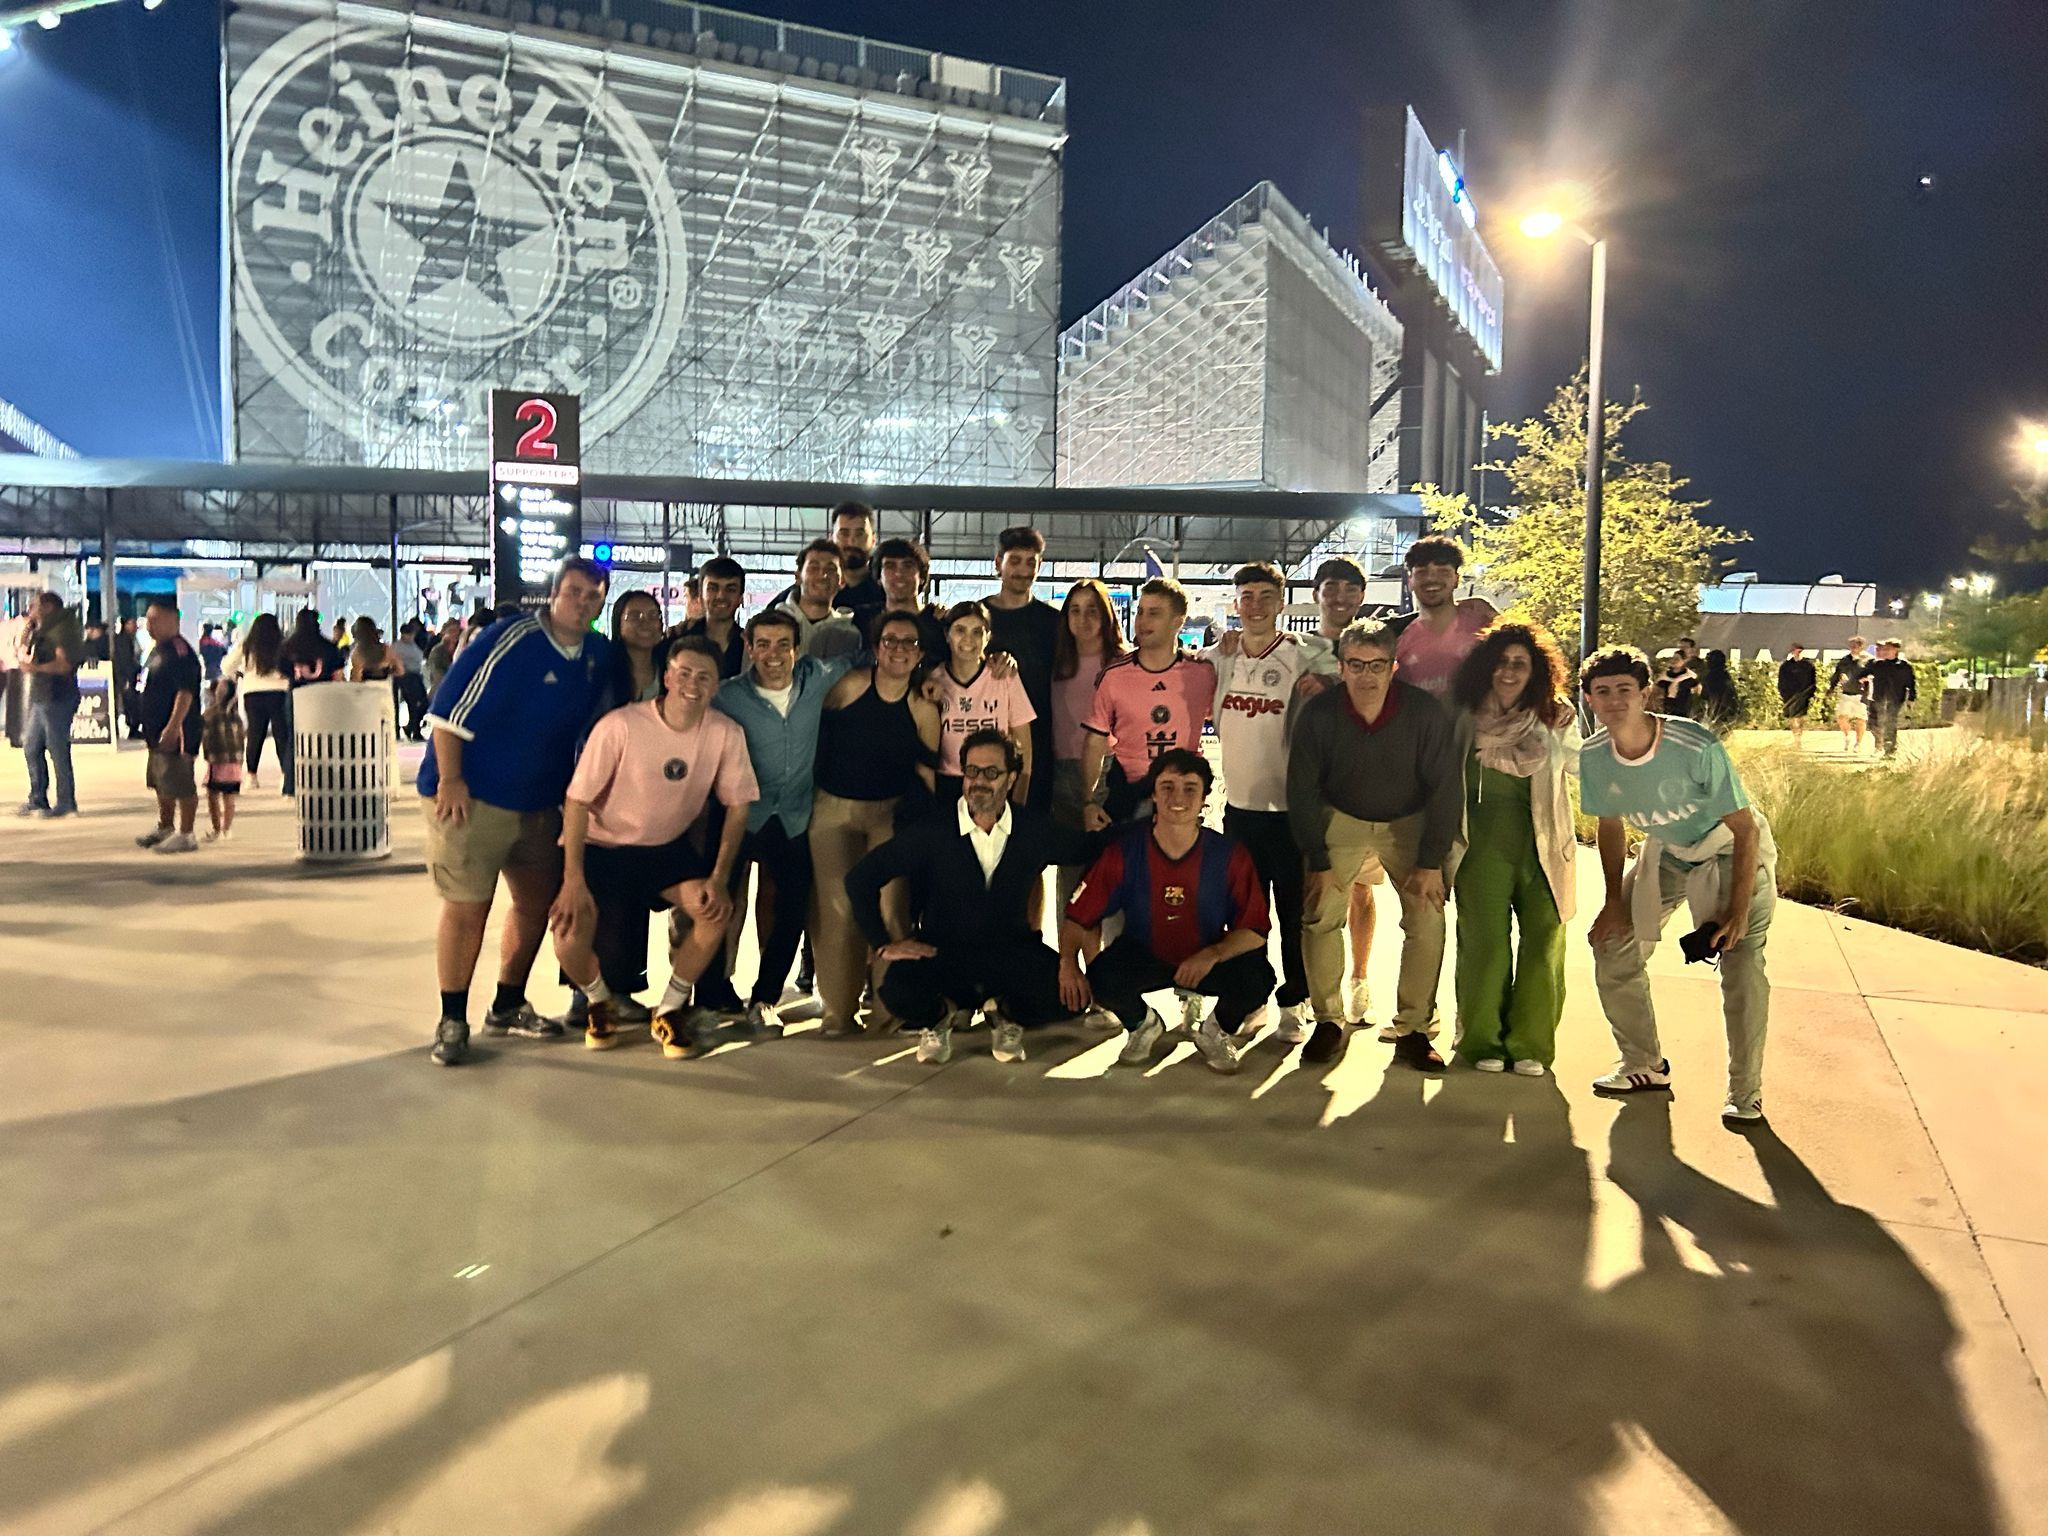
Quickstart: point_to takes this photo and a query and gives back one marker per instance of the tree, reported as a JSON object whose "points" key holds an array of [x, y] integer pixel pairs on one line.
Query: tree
{"points": [[2029, 504], [2000, 630], [1655, 550]]}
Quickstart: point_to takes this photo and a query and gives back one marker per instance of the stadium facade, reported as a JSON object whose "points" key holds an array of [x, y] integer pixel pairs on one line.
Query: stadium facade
{"points": [[755, 250], [1254, 353]]}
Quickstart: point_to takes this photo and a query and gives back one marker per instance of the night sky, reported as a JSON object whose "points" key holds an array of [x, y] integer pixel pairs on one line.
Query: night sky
{"points": [[1837, 362]]}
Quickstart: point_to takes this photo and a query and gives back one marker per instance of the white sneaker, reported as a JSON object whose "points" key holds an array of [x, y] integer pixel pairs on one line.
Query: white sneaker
{"points": [[935, 1045], [1137, 1051], [1295, 1023], [1218, 1054], [178, 842], [1529, 1069], [1194, 1009], [1622, 1080], [152, 837], [1749, 1111], [1008, 1044], [1357, 999], [221, 836], [1489, 1064]]}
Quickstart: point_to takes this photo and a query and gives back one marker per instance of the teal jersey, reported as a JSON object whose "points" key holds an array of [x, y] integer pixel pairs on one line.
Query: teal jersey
{"points": [[1678, 792]]}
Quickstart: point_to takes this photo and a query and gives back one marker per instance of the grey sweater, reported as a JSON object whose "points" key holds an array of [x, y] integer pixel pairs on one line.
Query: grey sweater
{"points": [[1409, 765]]}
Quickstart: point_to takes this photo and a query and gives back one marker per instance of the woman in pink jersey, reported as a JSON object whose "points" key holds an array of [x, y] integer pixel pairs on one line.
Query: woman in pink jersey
{"points": [[1089, 640], [971, 697]]}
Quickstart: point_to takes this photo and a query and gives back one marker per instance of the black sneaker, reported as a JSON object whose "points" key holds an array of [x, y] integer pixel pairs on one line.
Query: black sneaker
{"points": [[1413, 1049], [1324, 1044], [524, 1022], [451, 1042]]}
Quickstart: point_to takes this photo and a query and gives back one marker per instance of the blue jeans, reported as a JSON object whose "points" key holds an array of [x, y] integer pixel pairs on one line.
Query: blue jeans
{"points": [[49, 729]]}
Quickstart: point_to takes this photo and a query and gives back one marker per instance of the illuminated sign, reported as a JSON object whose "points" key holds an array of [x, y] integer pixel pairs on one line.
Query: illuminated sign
{"points": [[1435, 228], [1440, 227], [536, 491]]}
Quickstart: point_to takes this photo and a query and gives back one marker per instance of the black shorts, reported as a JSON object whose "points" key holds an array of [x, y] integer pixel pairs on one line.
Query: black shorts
{"points": [[634, 877]]}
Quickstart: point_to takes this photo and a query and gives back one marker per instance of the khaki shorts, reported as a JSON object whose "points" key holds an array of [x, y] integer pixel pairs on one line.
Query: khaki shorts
{"points": [[170, 774], [466, 858]]}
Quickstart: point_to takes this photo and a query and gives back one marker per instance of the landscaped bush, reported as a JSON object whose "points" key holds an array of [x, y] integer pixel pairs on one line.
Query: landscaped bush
{"points": [[1954, 845]]}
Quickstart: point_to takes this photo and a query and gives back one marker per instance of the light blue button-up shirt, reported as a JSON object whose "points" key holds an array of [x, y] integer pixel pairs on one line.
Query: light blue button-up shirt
{"points": [[783, 748]]}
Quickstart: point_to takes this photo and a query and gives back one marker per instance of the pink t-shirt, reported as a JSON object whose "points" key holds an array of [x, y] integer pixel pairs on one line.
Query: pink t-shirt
{"points": [[1429, 660], [645, 781], [1146, 713], [1072, 698], [984, 703]]}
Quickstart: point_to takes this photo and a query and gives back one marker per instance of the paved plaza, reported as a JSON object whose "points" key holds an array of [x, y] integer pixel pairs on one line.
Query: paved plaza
{"points": [[268, 1272]]}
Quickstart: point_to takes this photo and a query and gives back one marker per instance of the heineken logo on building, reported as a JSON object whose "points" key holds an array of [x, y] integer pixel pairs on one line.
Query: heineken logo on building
{"points": [[421, 214]]}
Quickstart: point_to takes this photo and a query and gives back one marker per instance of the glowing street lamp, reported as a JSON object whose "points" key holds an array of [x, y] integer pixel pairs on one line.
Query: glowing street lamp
{"points": [[1541, 224]]}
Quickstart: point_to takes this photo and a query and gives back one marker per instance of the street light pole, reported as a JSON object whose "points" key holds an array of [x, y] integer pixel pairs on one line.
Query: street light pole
{"points": [[1596, 454]]}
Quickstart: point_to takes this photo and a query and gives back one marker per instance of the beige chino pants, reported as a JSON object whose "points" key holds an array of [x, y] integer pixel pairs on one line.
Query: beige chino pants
{"points": [[842, 832]]}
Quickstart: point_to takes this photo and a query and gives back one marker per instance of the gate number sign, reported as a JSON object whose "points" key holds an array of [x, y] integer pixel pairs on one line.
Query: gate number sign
{"points": [[536, 491]]}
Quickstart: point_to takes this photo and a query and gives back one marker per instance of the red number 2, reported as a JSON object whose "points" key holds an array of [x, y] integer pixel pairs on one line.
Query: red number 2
{"points": [[535, 442]]}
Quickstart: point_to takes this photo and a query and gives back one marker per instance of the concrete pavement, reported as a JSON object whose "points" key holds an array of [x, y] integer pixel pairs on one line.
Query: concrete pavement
{"points": [[267, 1271]]}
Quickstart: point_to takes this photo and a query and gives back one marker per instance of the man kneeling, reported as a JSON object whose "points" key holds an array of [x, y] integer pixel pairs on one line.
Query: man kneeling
{"points": [[970, 869], [645, 774], [1194, 912]]}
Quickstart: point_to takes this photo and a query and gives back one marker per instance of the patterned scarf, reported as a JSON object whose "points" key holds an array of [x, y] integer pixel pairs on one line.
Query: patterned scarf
{"points": [[1510, 741]]}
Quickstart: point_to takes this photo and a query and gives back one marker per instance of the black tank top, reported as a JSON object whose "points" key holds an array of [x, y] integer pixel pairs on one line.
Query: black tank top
{"points": [[870, 750]]}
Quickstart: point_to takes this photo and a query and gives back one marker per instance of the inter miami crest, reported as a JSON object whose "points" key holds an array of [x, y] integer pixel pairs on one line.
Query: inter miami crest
{"points": [[675, 770], [421, 213]]}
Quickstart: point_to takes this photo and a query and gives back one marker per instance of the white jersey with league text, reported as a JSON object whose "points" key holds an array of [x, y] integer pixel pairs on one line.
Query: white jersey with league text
{"points": [[1254, 707]]}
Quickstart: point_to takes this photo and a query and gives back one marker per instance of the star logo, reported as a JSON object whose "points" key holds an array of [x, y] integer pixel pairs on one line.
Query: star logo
{"points": [[487, 227]]}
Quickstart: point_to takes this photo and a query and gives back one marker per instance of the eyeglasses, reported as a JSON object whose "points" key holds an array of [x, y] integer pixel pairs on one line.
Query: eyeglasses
{"points": [[985, 775], [1358, 666], [897, 643]]}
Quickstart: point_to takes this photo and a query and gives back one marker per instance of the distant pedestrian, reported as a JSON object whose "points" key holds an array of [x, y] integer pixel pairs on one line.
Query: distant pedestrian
{"points": [[262, 679], [170, 717], [1677, 689], [409, 650], [212, 650], [369, 659], [222, 741], [441, 655], [55, 647], [128, 676], [1852, 714], [1797, 684], [1720, 704], [310, 657], [1890, 686]]}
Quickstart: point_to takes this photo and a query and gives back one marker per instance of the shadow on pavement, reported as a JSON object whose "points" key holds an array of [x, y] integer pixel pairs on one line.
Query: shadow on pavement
{"points": [[1112, 1305]]}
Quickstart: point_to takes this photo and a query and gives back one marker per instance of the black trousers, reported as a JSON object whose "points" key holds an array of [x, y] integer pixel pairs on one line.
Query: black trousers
{"points": [[412, 693], [1884, 724], [1124, 972], [1270, 841], [785, 864], [270, 715], [1022, 975]]}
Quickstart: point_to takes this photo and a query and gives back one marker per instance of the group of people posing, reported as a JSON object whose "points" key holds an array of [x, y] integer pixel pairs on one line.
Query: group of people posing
{"points": [[898, 780]]}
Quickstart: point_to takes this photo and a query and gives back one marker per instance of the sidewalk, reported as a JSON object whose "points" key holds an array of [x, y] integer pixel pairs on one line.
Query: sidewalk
{"points": [[268, 1272]]}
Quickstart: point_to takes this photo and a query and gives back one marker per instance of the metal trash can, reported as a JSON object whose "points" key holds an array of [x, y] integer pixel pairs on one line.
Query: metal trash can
{"points": [[343, 739]]}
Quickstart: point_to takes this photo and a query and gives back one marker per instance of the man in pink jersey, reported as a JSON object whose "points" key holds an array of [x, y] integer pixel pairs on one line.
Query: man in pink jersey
{"points": [[1444, 627], [1150, 700]]}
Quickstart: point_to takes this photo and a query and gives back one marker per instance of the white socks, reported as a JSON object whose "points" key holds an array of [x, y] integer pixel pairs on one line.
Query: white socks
{"points": [[598, 992], [676, 996]]}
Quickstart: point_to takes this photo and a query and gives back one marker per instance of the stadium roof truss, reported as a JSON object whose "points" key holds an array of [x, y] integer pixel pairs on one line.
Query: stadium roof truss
{"points": [[282, 513]]}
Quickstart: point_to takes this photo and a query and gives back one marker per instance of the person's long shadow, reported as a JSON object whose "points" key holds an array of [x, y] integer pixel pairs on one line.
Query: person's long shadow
{"points": [[1806, 1386]]}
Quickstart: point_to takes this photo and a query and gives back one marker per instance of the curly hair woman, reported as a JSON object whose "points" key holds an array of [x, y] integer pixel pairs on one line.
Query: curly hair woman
{"points": [[1517, 867]]}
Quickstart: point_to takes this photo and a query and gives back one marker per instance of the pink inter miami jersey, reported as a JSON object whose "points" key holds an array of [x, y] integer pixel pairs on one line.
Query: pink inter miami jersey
{"points": [[1146, 713]]}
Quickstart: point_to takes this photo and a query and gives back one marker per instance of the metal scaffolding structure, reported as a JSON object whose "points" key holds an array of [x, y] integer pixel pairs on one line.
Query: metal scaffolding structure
{"points": [[1252, 353], [753, 249]]}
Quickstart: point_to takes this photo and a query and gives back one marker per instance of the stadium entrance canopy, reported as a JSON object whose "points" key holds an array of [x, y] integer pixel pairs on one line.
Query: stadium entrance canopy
{"points": [[275, 514]]}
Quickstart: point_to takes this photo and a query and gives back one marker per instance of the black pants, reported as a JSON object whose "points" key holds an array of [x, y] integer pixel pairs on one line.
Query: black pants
{"points": [[1884, 724], [1124, 972], [270, 715], [785, 864], [412, 693], [1270, 841], [1021, 974]]}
